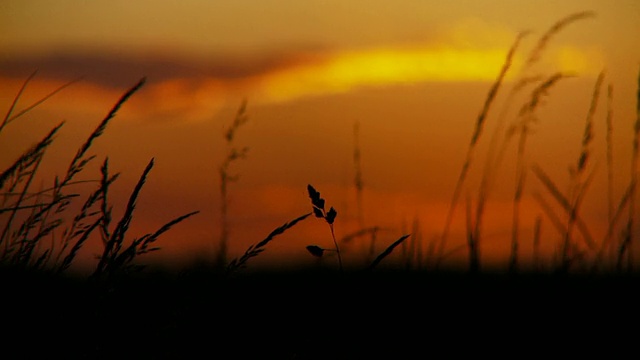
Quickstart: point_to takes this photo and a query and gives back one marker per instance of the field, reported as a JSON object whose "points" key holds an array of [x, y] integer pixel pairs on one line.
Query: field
{"points": [[585, 299], [310, 315]]}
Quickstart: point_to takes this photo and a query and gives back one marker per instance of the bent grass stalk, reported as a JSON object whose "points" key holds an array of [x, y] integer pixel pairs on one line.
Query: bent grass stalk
{"points": [[387, 252], [255, 249], [536, 53]]}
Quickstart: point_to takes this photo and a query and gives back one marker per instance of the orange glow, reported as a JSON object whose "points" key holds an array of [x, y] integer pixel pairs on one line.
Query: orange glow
{"points": [[415, 77]]}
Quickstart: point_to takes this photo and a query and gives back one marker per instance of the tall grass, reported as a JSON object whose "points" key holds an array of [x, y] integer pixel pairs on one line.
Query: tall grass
{"points": [[226, 178], [477, 133], [32, 217], [527, 116], [494, 156], [626, 246], [35, 217], [579, 184]]}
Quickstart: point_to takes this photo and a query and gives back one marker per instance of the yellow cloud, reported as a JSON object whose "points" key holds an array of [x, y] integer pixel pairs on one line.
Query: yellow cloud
{"points": [[385, 66], [468, 50]]}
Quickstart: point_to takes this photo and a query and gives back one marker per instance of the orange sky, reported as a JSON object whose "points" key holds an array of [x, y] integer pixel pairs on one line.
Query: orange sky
{"points": [[413, 73]]}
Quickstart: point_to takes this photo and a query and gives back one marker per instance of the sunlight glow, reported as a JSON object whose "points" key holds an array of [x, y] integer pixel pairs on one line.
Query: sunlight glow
{"points": [[334, 73], [379, 67]]}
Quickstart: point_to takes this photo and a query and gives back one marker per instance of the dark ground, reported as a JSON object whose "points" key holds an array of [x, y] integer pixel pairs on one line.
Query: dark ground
{"points": [[307, 314]]}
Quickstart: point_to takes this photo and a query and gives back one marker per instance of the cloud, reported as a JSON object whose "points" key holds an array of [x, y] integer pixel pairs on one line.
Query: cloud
{"points": [[186, 88], [192, 87], [116, 70]]}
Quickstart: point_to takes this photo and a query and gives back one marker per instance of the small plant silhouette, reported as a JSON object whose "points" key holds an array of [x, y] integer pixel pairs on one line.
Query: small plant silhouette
{"points": [[329, 216]]}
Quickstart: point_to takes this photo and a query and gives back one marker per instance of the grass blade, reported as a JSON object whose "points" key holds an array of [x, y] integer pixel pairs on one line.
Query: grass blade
{"points": [[387, 251]]}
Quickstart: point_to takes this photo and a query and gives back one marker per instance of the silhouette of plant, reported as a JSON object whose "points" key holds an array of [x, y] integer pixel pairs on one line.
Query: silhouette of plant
{"points": [[233, 154], [329, 216], [387, 251], [22, 237]]}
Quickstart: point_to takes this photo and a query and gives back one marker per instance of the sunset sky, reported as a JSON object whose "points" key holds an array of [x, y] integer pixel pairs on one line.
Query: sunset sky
{"points": [[414, 75]]}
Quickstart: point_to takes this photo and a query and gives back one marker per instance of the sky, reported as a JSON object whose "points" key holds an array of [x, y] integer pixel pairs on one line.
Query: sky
{"points": [[414, 75]]}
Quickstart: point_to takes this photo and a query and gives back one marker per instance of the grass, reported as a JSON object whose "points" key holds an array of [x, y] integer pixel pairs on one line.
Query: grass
{"points": [[21, 239], [384, 309], [521, 126], [475, 138], [226, 178], [33, 219]]}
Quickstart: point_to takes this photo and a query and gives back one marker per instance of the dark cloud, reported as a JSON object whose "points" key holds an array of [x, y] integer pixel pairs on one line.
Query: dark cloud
{"points": [[118, 70]]}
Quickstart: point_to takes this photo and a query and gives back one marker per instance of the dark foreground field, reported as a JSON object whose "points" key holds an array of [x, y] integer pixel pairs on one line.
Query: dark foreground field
{"points": [[308, 314]]}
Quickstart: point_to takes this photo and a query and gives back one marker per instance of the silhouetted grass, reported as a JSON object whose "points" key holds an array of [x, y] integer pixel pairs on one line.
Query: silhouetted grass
{"points": [[329, 216], [23, 243], [626, 246], [233, 154], [522, 123], [256, 249], [284, 314], [477, 132], [526, 116]]}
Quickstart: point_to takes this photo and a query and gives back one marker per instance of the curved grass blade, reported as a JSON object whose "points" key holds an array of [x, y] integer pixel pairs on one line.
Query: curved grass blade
{"points": [[255, 250], [387, 251]]}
